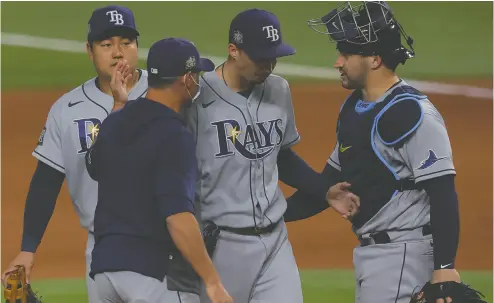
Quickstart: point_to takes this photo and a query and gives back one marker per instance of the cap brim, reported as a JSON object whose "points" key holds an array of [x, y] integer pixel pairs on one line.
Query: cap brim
{"points": [[205, 65], [280, 50]]}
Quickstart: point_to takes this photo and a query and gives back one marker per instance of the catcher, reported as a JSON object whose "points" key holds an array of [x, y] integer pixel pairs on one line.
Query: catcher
{"points": [[393, 148], [17, 290]]}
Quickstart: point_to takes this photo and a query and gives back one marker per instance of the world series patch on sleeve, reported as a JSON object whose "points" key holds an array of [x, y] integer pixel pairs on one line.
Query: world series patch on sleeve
{"points": [[17, 290], [458, 292]]}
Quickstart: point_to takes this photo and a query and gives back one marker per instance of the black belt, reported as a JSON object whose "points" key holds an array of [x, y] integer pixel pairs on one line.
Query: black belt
{"points": [[250, 231], [382, 237], [406, 184]]}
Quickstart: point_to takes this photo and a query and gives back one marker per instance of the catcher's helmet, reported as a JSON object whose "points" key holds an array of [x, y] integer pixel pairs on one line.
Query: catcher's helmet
{"points": [[366, 28]]}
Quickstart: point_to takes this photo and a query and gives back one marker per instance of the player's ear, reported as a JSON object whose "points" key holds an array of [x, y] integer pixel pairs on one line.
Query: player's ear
{"points": [[376, 62], [233, 51]]}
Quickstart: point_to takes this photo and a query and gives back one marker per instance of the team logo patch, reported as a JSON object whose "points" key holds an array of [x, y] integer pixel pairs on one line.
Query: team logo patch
{"points": [[251, 141], [42, 136], [430, 160], [238, 37], [272, 33], [87, 130], [115, 17], [190, 63]]}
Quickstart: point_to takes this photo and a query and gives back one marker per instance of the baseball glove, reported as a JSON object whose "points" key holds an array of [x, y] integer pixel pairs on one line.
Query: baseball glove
{"points": [[16, 288], [458, 292]]}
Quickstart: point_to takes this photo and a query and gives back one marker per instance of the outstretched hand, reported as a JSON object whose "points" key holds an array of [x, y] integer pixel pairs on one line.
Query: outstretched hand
{"points": [[342, 200]]}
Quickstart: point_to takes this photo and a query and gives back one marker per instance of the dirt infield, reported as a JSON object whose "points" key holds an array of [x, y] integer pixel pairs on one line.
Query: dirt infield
{"points": [[324, 241]]}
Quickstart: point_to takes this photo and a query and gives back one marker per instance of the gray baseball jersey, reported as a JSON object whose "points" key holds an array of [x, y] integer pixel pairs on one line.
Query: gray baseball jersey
{"points": [[427, 154], [238, 140], [70, 129]]}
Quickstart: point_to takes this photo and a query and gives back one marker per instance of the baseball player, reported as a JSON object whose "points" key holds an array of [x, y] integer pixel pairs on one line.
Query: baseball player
{"points": [[244, 126], [393, 147], [144, 162], [70, 129]]}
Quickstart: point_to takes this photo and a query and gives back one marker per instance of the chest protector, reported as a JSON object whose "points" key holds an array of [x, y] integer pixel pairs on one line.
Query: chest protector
{"points": [[393, 120]]}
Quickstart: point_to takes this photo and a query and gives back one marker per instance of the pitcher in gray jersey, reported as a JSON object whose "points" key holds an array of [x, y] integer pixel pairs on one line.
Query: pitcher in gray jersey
{"points": [[72, 126], [393, 148], [242, 120]]}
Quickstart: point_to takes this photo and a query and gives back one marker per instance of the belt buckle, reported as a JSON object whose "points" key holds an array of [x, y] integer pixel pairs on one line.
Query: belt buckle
{"points": [[257, 230]]}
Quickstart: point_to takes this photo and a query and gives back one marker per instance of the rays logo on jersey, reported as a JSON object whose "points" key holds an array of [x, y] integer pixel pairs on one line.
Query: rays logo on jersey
{"points": [[430, 160], [254, 142], [87, 132]]}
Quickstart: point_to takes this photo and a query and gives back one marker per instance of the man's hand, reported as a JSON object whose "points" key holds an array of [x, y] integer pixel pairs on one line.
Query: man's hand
{"points": [[121, 78], [217, 293], [445, 275], [343, 201], [23, 258]]}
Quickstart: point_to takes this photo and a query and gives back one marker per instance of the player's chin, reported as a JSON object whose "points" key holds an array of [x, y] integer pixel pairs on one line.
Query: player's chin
{"points": [[345, 83]]}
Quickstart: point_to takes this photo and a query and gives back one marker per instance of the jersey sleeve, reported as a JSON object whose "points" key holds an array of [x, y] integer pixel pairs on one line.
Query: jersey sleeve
{"points": [[333, 159], [428, 152], [292, 136], [49, 148]]}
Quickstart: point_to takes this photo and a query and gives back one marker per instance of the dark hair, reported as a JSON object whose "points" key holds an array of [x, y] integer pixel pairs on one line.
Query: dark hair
{"points": [[157, 82]]}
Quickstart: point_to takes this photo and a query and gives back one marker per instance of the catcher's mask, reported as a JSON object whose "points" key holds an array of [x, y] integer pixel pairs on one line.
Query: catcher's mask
{"points": [[366, 28]]}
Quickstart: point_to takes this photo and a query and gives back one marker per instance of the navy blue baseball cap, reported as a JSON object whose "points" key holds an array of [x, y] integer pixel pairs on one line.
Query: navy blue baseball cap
{"points": [[109, 21], [174, 57], [258, 33]]}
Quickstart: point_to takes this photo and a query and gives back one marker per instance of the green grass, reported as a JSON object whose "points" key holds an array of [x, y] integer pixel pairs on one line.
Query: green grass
{"points": [[318, 285], [453, 39]]}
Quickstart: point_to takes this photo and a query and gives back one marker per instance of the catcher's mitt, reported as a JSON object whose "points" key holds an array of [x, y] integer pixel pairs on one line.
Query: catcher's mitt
{"points": [[458, 292], [16, 288]]}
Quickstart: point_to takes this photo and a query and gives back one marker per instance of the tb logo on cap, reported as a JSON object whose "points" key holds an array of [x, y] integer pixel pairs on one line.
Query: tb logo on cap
{"points": [[115, 17], [272, 33]]}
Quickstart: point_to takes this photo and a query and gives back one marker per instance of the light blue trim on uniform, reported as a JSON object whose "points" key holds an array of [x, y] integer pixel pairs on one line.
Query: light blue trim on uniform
{"points": [[359, 110], [395, 193], [374, 128], [416, 99]]}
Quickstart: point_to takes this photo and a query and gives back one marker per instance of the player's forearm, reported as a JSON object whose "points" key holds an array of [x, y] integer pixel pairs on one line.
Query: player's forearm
{"points": [[40, 204], [186, 235], [294, 172], [445, 220], [302, 205]]}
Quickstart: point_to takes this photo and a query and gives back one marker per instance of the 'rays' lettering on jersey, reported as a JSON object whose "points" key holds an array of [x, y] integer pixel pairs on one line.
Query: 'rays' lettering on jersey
{"points": [[88, 131], [253, 142]]}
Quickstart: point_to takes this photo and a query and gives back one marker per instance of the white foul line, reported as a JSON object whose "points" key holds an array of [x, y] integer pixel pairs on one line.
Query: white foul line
{"points": [[286, 69]]}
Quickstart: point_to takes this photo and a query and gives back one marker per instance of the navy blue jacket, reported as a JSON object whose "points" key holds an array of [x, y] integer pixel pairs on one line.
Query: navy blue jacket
{"points": [[145, 165]]}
